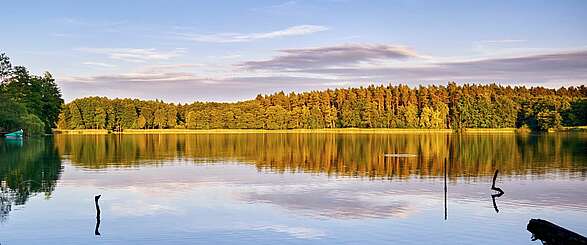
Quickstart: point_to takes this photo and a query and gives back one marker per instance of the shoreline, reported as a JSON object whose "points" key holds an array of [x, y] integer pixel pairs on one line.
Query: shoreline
{"points": [[307, 131], [278, 131]]}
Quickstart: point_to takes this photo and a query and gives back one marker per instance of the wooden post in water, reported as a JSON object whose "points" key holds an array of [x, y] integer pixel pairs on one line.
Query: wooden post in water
{"points": [[493, 185], [97, 231]]}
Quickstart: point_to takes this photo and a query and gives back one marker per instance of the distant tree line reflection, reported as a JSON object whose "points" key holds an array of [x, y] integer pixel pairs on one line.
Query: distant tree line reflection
{"points": [[364, 155]]}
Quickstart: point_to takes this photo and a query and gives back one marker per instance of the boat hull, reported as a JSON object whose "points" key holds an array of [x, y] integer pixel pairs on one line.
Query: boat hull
{"points": [[17, 134]]}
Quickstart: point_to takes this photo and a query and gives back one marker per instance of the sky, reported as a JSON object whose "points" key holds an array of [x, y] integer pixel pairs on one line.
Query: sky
{"points": [[185, 51]]}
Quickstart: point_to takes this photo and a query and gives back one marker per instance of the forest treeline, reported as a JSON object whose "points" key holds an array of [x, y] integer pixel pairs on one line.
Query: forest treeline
{"points": [[393, 106], [27, 101]]}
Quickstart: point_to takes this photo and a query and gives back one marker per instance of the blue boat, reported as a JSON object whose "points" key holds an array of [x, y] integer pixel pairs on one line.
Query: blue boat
{"points": [[16, 134]]}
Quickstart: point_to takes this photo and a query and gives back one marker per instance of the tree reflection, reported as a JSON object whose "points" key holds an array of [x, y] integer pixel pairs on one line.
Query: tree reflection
{"points": [[364, 155], [26, 169]]}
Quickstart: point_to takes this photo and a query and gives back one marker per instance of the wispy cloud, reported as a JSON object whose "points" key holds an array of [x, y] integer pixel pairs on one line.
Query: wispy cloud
{"points": [[502, 41], [296, 8], [100, 64], [278, 8], [135, 54], [324, 57], [299, 30], [372, 62], [171, 67], [143, 77], [560, 66]]}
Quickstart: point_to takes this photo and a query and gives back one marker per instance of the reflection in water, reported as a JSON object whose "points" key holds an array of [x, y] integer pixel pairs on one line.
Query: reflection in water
{"points": [[26, 169], [468, 155], [493, 196], [222, 188], [445, 192], [499, 191], [337, 203], [5, 205], [14, 141], [455, 157]]}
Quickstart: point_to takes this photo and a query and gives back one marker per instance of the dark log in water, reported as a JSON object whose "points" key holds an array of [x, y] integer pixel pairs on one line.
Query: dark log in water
{"points": [[550, 233], [97, 230]]}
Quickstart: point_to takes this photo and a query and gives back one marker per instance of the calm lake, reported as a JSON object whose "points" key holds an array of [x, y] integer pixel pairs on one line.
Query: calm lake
{"points": [[290, 188]]}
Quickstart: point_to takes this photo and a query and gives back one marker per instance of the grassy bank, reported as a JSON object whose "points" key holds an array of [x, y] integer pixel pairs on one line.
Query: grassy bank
{"points": [[338, 131], [80, 131], [574, 129], [256, 131], [325, 130], [491, 130], [235, 131]]}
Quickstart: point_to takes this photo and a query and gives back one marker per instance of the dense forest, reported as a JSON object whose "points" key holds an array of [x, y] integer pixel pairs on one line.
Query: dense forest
{"points": [[393, 106], [28, 102]]}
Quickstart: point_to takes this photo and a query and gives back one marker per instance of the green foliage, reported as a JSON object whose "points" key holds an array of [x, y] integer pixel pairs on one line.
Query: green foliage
{"points": [[141, 122], [27, 97], [432, 107], [32, 125], [576, 115], [548, 119], [5, 68], [277, 118], [11, 113], [544, 112]]}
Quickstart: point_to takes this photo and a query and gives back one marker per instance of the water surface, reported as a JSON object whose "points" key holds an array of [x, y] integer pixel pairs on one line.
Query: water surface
{"points": [[290, 188]]}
